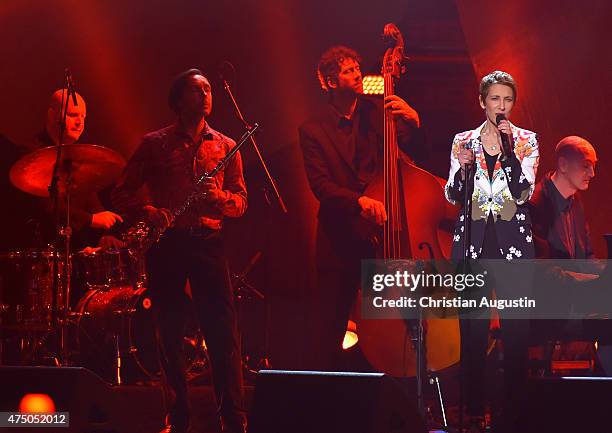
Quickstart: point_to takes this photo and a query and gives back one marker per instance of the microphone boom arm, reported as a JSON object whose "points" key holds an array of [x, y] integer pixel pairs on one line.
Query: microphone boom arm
{"points": [[279, 198]]}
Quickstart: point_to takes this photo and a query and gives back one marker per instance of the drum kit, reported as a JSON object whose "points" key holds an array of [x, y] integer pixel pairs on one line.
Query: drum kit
{"points": [[109, 328]]}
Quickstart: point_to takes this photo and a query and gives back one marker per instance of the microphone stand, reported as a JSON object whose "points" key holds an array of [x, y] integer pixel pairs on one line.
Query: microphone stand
{"points": [[59, 312], [467, 214], [279, 198], [468, 188]]}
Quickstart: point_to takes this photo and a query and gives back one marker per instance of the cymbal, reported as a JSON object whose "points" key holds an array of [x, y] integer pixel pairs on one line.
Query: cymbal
{"points": [[91, 168]]}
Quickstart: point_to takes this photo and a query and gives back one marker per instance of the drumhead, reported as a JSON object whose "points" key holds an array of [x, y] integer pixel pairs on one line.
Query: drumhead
{"points": [[121, 320]]}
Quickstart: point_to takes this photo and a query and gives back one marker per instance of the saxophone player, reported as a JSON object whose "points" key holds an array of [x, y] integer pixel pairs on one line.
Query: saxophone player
{"points": [[162, 173]]}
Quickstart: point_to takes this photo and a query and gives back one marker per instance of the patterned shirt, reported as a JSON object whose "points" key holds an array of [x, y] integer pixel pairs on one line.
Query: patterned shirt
{"points": [[163, 170]]}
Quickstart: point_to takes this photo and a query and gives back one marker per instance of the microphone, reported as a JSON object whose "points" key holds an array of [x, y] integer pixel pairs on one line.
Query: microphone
{"points": [[227, 74], [506, 146], [70, 86]]}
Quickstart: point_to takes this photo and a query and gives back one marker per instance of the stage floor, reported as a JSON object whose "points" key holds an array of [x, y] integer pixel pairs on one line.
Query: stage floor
{"points": [[147, 414]]}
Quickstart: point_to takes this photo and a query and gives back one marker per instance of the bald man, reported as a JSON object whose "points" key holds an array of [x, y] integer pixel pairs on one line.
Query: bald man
{"points": [[561, 232], [75, 118], [559, 223], [87, 211]]}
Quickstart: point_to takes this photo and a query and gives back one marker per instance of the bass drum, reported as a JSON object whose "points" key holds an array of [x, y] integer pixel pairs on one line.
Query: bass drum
{"points": [[116, 328]]}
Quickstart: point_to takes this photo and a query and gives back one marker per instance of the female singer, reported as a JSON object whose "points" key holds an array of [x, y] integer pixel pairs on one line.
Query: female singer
{"points": [[501, 179]]}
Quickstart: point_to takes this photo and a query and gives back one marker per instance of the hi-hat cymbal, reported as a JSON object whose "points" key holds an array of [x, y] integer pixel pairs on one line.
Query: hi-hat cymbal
{"points": [[91, 168]]}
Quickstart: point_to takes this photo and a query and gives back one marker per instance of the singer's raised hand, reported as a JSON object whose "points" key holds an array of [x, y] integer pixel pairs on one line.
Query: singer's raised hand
{"points": [[504, 127]]}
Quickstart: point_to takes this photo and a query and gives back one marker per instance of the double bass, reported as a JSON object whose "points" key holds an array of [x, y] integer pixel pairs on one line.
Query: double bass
{"points": [[416, 210]]}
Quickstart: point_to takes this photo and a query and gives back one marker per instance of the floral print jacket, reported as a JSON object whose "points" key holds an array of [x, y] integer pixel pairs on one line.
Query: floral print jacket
{"points": [[504, 196]]}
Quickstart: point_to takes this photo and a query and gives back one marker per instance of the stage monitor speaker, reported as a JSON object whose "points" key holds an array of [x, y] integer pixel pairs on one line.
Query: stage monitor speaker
{"points": [[326, 402], [90, 402], [568, 404]]}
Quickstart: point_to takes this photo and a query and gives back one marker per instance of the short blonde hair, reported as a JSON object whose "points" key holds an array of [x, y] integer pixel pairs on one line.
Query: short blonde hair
{"points": [[496, 77]]}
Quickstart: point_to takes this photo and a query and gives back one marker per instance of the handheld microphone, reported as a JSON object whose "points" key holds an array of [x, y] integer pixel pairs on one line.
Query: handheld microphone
{"points": [[506, 146], [70, 86]]}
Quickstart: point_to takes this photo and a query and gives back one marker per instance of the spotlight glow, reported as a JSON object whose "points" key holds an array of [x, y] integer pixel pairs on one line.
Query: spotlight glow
{"points": [[36, 403], [373, 85], [350, 336]]}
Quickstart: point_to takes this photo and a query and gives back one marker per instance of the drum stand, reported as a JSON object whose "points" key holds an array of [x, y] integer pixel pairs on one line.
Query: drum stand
{"points": [[118, 380]]}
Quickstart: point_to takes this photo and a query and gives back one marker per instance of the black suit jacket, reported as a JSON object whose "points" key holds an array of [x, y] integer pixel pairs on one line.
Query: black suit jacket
{"points": [[546, 215], [333, 178]]}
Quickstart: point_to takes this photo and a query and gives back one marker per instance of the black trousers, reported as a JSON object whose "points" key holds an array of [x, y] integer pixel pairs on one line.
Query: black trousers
{"points": [[330, 312], [509, 280], [474, 344], [338, 259], [180, 256]]}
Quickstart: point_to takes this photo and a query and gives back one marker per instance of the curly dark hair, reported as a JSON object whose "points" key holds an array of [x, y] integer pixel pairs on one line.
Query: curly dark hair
{"points": [[496, 77], [330, 61]]}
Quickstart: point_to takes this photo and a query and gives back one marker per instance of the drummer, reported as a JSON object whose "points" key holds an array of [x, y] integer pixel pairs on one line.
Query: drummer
{"points": [[88, 217], [31, 223], [86, 209]]}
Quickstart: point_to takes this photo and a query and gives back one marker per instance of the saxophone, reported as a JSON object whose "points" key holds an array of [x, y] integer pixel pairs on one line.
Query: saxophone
{"points": [[142, 236]]}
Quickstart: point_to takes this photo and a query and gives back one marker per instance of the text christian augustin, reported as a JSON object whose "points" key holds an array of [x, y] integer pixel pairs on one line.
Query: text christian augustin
{"points": [[401, 281]]}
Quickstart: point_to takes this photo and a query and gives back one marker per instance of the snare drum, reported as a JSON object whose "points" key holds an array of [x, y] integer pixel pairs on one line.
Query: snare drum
{"points": [[103, 269]]}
